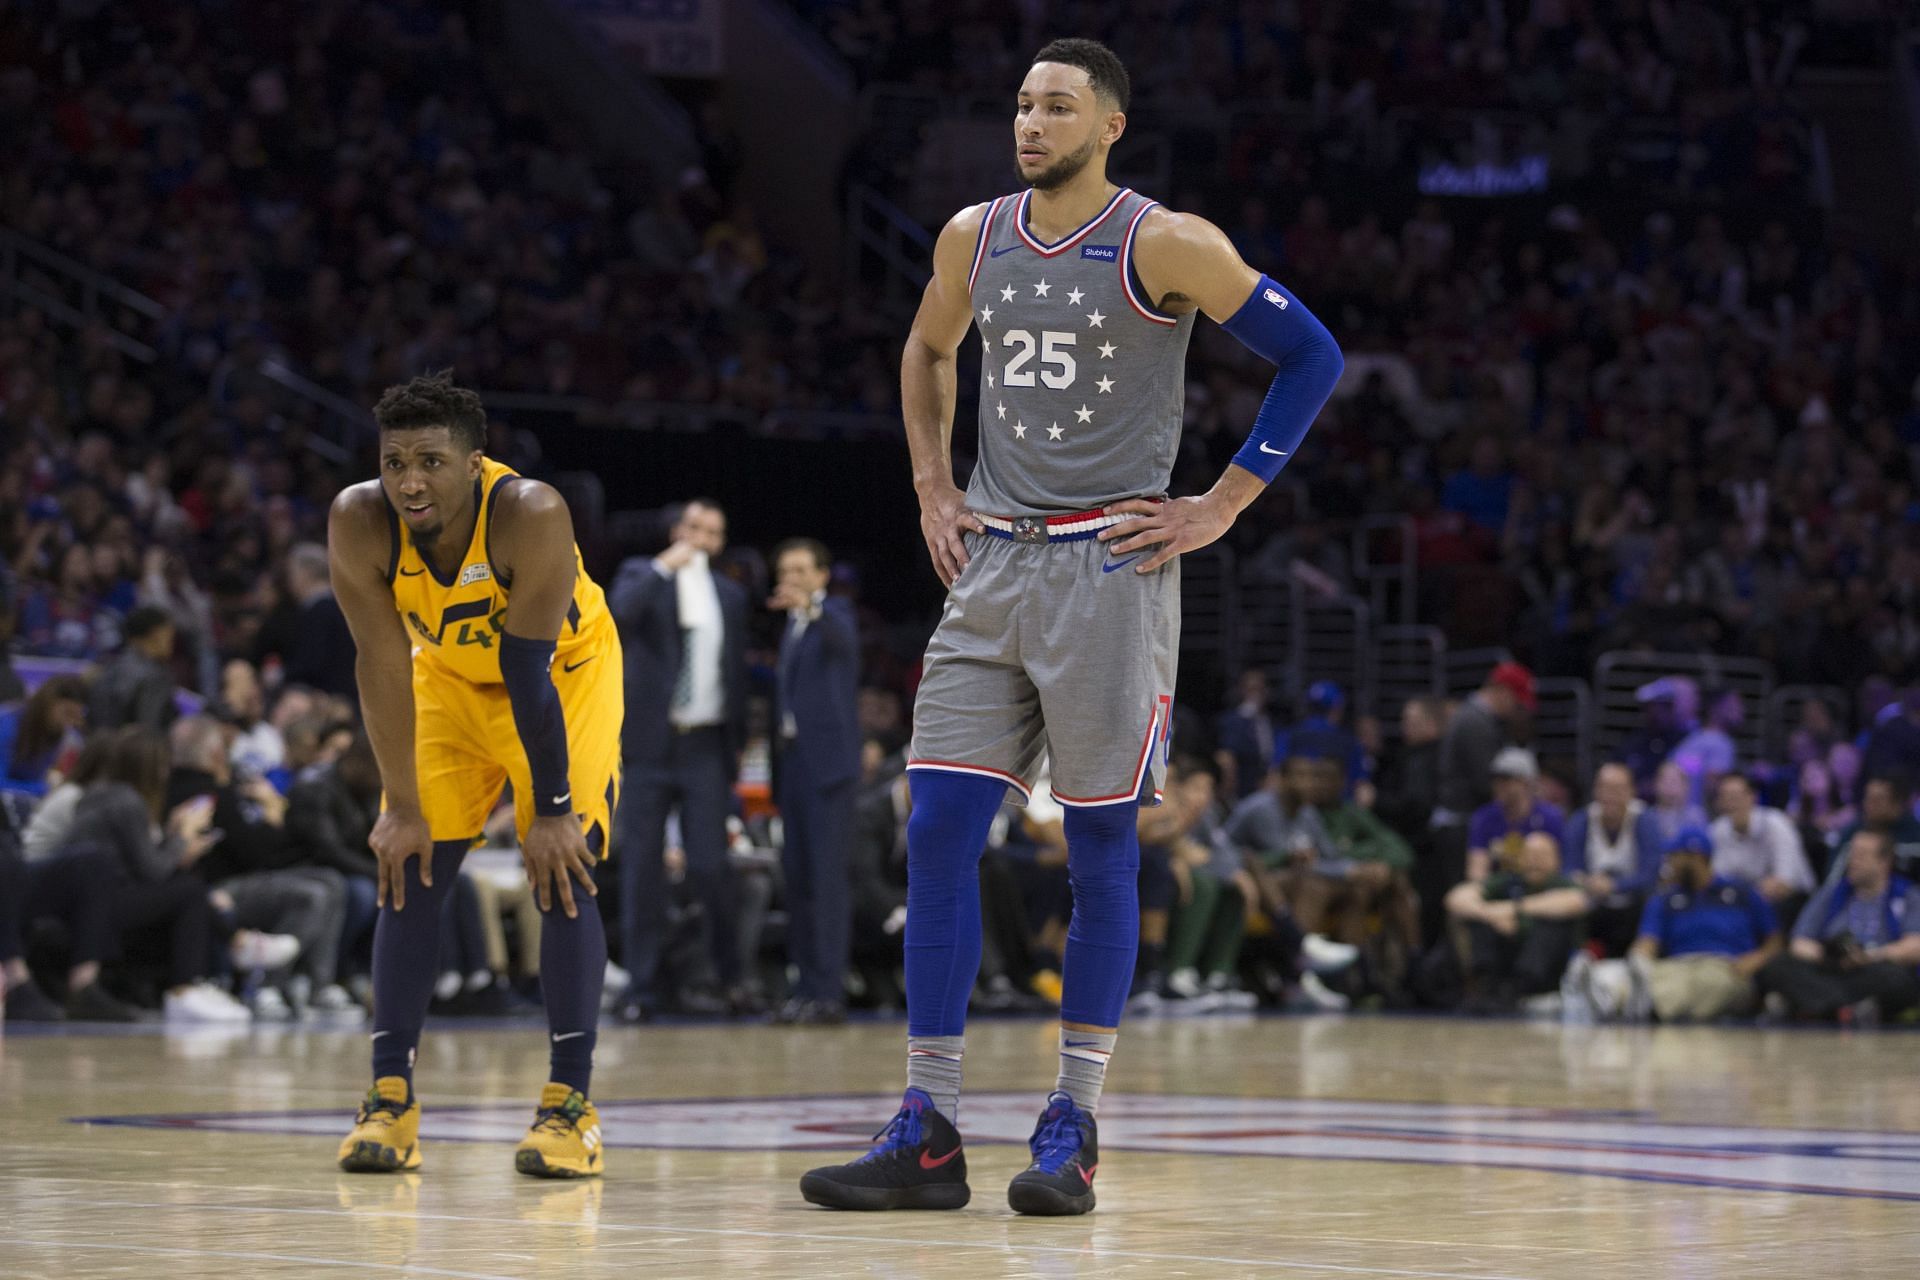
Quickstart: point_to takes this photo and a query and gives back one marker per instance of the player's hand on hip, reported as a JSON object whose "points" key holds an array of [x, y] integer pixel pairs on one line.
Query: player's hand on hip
{"points": [[1176, 527], [397, 837], [943, 518], [555, 852]]}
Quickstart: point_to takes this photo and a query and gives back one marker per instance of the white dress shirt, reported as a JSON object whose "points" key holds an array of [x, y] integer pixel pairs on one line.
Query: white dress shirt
{"points": [[703, 635], [1770, 846]]}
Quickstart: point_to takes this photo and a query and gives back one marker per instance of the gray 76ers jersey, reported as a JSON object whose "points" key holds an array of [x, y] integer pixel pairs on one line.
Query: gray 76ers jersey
{"points": [[1082, 382]]}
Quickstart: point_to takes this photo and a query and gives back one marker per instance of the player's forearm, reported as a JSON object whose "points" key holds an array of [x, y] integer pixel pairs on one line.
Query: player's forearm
{"points": [[1235, 490], [386, 701], [928, 393]]}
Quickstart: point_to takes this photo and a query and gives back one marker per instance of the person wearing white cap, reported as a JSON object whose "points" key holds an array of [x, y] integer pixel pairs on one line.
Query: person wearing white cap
{"points": [[1498, 830]]}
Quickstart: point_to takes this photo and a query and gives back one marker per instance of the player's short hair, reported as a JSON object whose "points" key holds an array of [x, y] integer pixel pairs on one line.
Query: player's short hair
{"points": [[822, 558], [1105, 73], [432, 400]]}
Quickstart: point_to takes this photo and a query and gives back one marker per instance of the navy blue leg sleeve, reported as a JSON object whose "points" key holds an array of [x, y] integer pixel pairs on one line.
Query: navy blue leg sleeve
{"points": [[946, 834], [406, 960], [1103, 859], [573, 968]]}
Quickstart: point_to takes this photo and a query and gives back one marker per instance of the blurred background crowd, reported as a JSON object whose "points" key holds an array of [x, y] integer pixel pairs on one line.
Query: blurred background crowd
{"points": [[1633, 366]]}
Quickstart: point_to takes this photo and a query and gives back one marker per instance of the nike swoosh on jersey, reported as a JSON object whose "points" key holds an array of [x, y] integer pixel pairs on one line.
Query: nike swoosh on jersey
{"points": [[570, 667], [929, 1161], [411, 573], [994, 253], [1110, 565]]}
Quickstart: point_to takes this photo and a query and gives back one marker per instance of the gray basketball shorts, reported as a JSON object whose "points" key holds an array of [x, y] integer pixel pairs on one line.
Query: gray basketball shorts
{"points": [[1052, 655]]}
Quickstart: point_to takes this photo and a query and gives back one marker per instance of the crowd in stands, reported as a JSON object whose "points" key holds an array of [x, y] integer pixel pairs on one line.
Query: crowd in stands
{"points": [[1679, 423]]}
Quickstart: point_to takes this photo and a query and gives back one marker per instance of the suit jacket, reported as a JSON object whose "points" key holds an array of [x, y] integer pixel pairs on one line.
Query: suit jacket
{"points": [[819, 684], [646, 607]]}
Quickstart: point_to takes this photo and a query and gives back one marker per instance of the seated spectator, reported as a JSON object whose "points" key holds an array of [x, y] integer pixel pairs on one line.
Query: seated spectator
{"points": [[1674, 809], [330, 814], [1707, 754], [258, 748], [1886, 806], [1758, 845], [1283, 839], [1855, 953], [155, 897], [1410, 784], [1822, 814], [1244, 736], [76, 890], [1210, 914], [1521, 926], [877, 871], [136, 685], [1613, 852], [32, 735], [1376, 908], [1667, 708], [1321, 733], [260, 870], [1702, 940], [1499, 830]]}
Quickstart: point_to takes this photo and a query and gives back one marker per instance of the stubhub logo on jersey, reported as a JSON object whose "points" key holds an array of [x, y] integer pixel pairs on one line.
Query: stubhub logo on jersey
{"points": [[1104, 252]]}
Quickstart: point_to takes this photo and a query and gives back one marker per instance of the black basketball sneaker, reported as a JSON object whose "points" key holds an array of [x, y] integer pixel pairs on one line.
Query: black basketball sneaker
{"points": [[1066, 1154], [915, 1164]]}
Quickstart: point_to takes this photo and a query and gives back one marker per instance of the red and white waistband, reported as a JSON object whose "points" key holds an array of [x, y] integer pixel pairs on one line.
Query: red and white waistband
{"points": [[1073, 527]]}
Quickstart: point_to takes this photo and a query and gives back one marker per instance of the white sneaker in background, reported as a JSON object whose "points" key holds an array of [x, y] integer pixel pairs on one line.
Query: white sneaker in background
{"points": [[1184, 983], [1321, 996], [270, 1006], [1327, 956], [252, 949], [1639, 1001], [332, 1003], [204, 1003], [1577, 1003], [1546, 1005]]}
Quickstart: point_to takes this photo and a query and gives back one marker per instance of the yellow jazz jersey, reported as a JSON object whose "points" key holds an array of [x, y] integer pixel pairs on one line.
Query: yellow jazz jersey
{"points": [[466, 747]]}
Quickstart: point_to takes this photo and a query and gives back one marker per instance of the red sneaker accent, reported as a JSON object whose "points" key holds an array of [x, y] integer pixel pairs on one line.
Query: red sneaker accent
{"points": [[927, 1160], [1085, 1173]]}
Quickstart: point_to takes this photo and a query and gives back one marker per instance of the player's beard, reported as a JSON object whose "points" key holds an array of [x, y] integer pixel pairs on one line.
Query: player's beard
{"points": [[1065, 169]]}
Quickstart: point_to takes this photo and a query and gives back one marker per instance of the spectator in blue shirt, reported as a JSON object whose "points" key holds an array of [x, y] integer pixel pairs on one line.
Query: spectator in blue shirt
{"points": [[1612, 850], [1701, 940], [1498, 830], [1245, 738], [1856, 945], [1320, 735], [31, 735]]}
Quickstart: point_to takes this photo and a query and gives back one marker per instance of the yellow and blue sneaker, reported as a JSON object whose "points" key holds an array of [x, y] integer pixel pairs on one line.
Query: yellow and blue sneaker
{"points": [[565, 1139], [386, 1132]]}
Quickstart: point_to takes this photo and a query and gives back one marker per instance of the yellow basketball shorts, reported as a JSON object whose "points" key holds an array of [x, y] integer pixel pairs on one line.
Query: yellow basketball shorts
{"points": [[467, 750]]}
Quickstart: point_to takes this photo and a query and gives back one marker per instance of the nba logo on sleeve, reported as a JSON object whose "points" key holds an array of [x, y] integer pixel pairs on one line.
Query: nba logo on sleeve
{"points": [[1273, 296]]}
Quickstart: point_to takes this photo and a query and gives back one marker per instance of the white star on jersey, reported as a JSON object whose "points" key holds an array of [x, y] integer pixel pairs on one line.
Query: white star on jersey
{"points": [[986, 315], [1074, 297], [1083, 413], [989, 382], [1006, 294], [1055, 431], [1106, 353], [1105, 385], [1041, 288], [1093, 321], [1020, 430], [1003, 412]]}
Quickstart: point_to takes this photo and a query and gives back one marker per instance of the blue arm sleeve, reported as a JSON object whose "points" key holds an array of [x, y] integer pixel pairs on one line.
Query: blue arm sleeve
{"points": [[526, 669], [1272, 324]]}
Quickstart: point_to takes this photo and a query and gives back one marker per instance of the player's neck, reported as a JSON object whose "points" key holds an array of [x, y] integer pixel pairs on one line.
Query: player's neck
{"points": [[1056, 214], [450, 547]]}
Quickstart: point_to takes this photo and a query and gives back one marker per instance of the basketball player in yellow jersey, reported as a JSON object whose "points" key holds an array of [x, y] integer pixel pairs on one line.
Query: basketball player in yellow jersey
{"points": [[487, 658]]}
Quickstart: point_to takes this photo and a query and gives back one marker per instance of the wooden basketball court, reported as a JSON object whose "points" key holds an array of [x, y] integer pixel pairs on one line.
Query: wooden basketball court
{"points": [[1284, 1147]]}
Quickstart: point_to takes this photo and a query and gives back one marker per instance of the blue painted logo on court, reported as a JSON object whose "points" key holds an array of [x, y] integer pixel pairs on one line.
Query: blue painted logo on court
{"points": [[1607, 1144]]}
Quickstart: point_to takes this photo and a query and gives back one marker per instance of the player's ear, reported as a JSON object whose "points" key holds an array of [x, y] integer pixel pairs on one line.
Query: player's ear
{"points": [[1116, 125], [474, 464]]}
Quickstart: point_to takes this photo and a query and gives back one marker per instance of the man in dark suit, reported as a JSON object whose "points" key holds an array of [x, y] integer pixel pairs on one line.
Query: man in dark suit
{"points": [[683, 629], [816, 771]]}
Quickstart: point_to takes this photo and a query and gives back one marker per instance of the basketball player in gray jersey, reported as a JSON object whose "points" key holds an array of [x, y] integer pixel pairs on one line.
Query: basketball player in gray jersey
{"points": [[1058, 642]]}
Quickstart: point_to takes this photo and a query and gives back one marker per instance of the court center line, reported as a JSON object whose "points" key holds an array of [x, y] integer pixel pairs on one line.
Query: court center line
{"points": [[918, 1242], [403, 1269]]}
